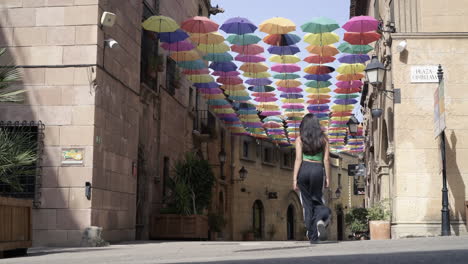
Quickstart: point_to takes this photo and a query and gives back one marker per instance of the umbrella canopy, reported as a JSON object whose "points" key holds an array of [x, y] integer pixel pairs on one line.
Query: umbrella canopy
{"points": [[290, 100], [199, 24], [185, 55], [291, 95], [250, 58], [200, 71], [228, 73], [284, 50], [290, 90], [318, 69], [238, 93], [238, 25], [240, 97], [349, 84], [349, 77], [346, 96], [277, 25], [355, 38], [202, 78], [259, 81], [256, 74], [318, 84], [160, 24], [261, 89], [319, 96], [345, 101], [318, 101], [218, 57], [263, 94], [284, 58], [254, 67], [320, 25], [361, 24], [234, 80], [354, 49], [285, 68], [178, 46], [321, 39], [213, 48], [210, 90], [347, 90], [325, 51], [251, 49], [207, 38], [223, 66], [171, 37], [342, 107], [319, 59], [293, 106], [318, 77], [206, 85], [318, 90], [288, 83], [351, 68], [195, 64], [286, 76], [245, 39], [266, 99], [354, 58], [236, 87], [282, 39]]}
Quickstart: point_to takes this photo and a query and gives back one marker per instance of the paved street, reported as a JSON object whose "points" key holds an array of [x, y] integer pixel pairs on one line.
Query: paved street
{"points": [[418, 250]]}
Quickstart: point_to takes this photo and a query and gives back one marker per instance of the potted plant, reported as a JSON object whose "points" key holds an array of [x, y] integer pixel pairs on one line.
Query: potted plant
{"points": [[356, 219], [216, 224], [189, 196], [379, 220]]}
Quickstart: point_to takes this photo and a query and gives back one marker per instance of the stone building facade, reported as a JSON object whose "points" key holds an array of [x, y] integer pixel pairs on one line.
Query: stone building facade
{"points": [[403, 156]]}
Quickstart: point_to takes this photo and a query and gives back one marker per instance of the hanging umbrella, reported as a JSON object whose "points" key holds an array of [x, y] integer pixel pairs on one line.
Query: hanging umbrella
{"points": [[192, 71], [351, 68], [185, 55], [237, 87], [199, 24], [282, 39], [240, 98], [160, 24], [213, 48], [325, 51], [207, 38], [350, 84], [286, 76], [321, 39], [277, 25], [318, 90], [230, 80], [346, 96], [202, 78], [270, 113], [264, 94], [318, 84], [318, 69], [284, 50], [218, 57], [345, 101], [361, 24], [318, 101], [250, 58], [293, 106], [206, 85], [254, 67], [354, 49], [238, 93], [320, 25], [245, 39], [288, 83], [223, 73], [319, 96], [285, 68], [347, 90], [251, 49], [354, 58], [195, 64], [342, 107], [290, 100], [223, 66], [349, 77], [290, 90], [318, 77], [171, 37], [210, 90], [319, 59], [238, 25], [291, 95], [261, 89], [365, 38], [256, 74], [178, 46], [266, 99], [284, 59], [259, 81], [322, 107]]}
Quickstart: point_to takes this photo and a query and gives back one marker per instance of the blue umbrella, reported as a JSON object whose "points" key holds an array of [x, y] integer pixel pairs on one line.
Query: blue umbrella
{"points": [[223, 66], [345, 101], [294, 125], [261, 89], [238, 25], [354, 58], [259, 81], [171, 37], [245, 39], [229, 119], [194, 65], [321, 107], [318, 77], [321, 115], [206, 85], [284, 50], [291, 95]]}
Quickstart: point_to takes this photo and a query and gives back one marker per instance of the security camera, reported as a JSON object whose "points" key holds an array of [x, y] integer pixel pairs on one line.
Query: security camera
{"points": [[108, 19], [401, 46], [111, 43]]}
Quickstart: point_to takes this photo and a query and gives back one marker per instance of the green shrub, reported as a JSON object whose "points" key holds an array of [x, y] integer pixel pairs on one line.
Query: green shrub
{"points": [[356, 219], [379, 211]]}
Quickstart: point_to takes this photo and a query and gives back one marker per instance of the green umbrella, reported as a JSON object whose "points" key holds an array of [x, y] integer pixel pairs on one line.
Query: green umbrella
{"points": [[193, 65], [354, 49], [273, 119], [320, 25], [245, 39], [319, 84], [286, 76], [218, 57], [347, 96]]}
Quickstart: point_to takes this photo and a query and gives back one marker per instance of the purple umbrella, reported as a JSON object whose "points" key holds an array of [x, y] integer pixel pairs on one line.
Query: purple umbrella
{"points": [[206, 85], [345, 101], [276, 132], [351, 84], [320, 115], [290, 90], [266, 99], [223, 66], [230, 115], [361, 24], [253, 124], [259, 81], [171, 37], [285, 68], [210, 90], [322, 107], [238, 25], [250, 58], [294, 125], [318, 77], [291, 95], [270, 113], [183, 45], [284, 50], [354, 58], [226, 74], [293, 106]]}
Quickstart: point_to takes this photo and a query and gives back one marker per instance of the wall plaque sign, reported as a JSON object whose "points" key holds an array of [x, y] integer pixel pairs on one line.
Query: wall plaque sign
{"points": [[72, 156], [424, 74]]}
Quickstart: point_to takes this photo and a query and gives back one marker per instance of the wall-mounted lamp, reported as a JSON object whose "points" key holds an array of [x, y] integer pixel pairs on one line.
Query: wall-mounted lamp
{"points": [[88, 190], [337, 193], [376, 112], [353, 125], [111, 43], [375, 71]]}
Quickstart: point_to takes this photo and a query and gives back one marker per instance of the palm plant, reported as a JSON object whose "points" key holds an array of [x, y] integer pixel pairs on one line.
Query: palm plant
{"points": [[8, 75]]}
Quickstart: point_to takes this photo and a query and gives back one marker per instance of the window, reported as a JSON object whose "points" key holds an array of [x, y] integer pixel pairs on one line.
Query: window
{"points": [[287, 159], [258, 219], [150, 61], [267, 155], [245, 149], [190, 103], [166, 166], [26, 139], [200, 10], [171, 75]]}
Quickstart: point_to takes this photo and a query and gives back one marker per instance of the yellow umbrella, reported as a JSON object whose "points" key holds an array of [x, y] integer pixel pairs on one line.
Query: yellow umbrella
{"points": [[319, 96], [160, 24], [293, 101], [351, 68], [190, 55], [200, 78], [214, 48], [237, 87], [267, 106], [207, 38], [284, 59], [321, 39], [340, 118], [319, 90], [277, 25], [288, 83], [223, 110], [294, 114], [256, 74], [254, 67], [342, 108]]}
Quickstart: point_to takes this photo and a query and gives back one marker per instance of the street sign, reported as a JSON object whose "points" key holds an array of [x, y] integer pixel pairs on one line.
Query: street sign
{"points": [[439, 109], [424, 74]]}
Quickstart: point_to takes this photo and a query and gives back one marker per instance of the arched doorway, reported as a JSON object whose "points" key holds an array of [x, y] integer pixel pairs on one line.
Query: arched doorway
{"points": [[258, 219], [290, 222], [339, 223]]}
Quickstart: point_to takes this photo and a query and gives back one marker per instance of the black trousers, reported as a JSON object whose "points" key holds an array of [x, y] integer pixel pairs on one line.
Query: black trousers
{"points": [[310, 182]]}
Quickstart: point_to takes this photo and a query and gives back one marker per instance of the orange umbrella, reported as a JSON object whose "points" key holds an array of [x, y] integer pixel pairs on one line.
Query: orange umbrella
{"points": [[288, 83], [277, 25], [207, 38], [319, 96], [319, 59], [199, 24], [349, 77], [254, 67], [318, 69], [324, 51], [361, 38]]}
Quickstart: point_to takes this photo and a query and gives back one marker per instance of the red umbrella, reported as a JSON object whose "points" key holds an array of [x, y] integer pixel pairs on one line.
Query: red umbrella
{"points": [[317, 59], [347, 113], [199, 24], [230, 80], [347, 90], [358, 38], [252, 49], [318, 101]]}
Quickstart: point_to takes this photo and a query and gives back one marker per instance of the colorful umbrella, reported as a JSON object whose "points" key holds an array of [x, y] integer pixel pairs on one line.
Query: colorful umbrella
{"points": [[318, 84], [321, 39], [349, 84], [238, 25], [318, 69], [290, 90], [285, 68], [286, 76], [346, 96], [354, 49], [200, 71], [351, 68], [318, 77], [318, 90], [319, 59], [237, 87], [355, 38], [320, 25], [319, 96], [252, 49], [254, 67], [160, 24], [250, 58], [195, 64], [347, 90], [199, 24], [345, 101], [218, 57], [284, 50], [285, 59], [207, 38], [259, 81], [202, 78], [282, 39], [325, 51], [361, 24], [245, 39], [256, 74], [349, 77], [263, 94], [171, 37], [227, 73], [178, 46], [185, 55], [206, 85], [213, 48], [234, 80], [223, 66], [318, 101], [288, 83], [291, 95], [261, 89], [354, 58], [266, 99], [289, 100], [277, 25]]}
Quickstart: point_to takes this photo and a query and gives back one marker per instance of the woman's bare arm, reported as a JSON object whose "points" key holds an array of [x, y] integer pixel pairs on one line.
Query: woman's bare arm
{"points": [[297, 161], [326, 163]]}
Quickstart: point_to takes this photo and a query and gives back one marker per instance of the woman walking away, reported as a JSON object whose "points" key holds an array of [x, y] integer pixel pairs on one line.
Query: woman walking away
{"points": [[310, 167]]}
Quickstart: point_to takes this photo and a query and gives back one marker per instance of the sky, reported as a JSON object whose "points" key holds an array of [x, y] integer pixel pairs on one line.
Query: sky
{"points": [[298, 11]]}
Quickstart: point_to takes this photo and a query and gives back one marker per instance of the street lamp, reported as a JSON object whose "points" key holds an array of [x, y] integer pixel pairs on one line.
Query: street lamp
{"points": [[338, 193], [222, 160], [375, 71], [353, 125], [243, 173]]}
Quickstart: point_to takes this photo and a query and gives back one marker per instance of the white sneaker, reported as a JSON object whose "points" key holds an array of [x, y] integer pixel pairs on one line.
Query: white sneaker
{"points": [[321, 230]]}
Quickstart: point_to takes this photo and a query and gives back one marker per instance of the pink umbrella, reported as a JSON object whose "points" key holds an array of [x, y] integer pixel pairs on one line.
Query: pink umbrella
{"points": [[361, 24], [210, 90], [293, 106], [226, 74], [285, 68], [251, 49], [178, 46], [290, 90], [351, 84], [199, 24], [270, 113], [250, 58], [266, 99], [230, 80]]}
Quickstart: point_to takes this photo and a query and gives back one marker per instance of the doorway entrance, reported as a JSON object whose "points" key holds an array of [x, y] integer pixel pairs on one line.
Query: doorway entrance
{"points": [[290, 222], [258, 219]]}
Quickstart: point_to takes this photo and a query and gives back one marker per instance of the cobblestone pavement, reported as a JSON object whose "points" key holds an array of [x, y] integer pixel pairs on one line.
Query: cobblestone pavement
{"points": [[451, 250]]}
